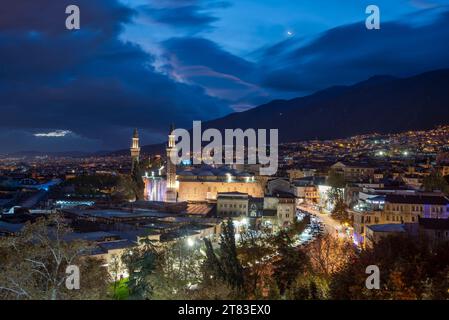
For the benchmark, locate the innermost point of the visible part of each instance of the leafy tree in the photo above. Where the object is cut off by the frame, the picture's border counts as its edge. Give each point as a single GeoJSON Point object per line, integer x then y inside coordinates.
{"type": "Point", "coordinates": [329, 254]}
{"type": "Point", "coordinates": [141, 264]}
{"type": "Point", "coordinates": [288, 263]}
{"type": "Point", "coordinates": [254, 252]}
{"type": "Point", "coordinates": [435, 181]}
{"type": "Point", "coordinates": [138, 184]}
{"type": "Point", "coordinates": [178, 272]}
{"type": "Point", "coordinates": [227, 266]}
{"type": "Point", "coordinates": [125, 189]}
{"type": "Point", "coordinates": [309, 287]}
{"type": "Point", "coordinates": [298, 226]}
{"type": "Point", "coordinates": [115, 268]}
{"type": "Point", "coordinates": [336, 179]}
{"type": "Point", "coordinates": [409, 269]}
{"type": "Point", "coordinates": [33, 264]}
{"type": "Point", "coordinates": [339, 207]}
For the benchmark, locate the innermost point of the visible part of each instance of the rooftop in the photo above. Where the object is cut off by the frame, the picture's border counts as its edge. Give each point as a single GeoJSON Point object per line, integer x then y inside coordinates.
{"type": "Point", "coordinates": [391, 227]}
{"type": "Point", "coordinates": [417, 199]}
{"type": "Point", "coordinates": [434, 224]}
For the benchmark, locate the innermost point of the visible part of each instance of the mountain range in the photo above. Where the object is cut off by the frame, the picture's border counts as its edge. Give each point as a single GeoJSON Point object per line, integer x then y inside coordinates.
{"type": "Point", "coordinates": [381, 104]}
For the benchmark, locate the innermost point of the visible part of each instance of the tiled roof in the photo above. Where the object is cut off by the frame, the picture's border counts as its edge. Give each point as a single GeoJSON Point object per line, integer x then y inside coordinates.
{"type": "Point", "coordinates": [417, 199]}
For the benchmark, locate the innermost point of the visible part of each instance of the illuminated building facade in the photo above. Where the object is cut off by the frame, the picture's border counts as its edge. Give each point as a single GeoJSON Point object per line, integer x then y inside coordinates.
{"type": "Point", "coordinates": [204, 183]}
{"type": "Point", "coordinates": [155, 187]}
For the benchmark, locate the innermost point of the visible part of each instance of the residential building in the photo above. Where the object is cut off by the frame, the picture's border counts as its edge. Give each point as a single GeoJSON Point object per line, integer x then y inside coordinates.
{"type": "Point", "coordinates": [232, 204]}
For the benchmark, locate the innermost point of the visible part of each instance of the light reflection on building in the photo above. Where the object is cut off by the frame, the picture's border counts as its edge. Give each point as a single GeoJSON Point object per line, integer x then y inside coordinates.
{"type": "Point", "coordinates": [155, 188]}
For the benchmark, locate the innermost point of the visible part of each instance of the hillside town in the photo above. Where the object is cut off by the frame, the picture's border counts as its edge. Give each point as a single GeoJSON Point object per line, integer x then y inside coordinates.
{"type": "Point", "coordinates": [358, 190]}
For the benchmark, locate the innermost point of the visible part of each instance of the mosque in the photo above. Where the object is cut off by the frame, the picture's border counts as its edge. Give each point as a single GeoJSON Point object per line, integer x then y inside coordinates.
{"type": "Point", "coordinates": [193, 183]}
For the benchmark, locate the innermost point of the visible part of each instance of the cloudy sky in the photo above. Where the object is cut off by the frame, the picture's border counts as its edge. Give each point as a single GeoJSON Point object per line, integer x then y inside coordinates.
{"type": "Point", "coordinates": [147, 63]}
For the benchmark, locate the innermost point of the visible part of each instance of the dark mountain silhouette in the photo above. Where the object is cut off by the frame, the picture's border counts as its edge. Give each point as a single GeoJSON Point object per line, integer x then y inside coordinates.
{"type": "Point", "coordinates": [381, 104]}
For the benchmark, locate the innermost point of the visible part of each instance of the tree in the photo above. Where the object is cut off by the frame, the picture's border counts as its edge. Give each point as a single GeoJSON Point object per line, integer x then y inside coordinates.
{"type": "Point", "coordinates": [178, 271]}
{"type": "Point", "coordinates": [288, 263]}
{"type": "Point", "coordinates": [339, 207]}
{"type": "Point", "coordinates": [254, 252]}
{"type": "Point", "coordinates": [141, 264]}
{"type": "Point", "coordinates": [125, 189]}
{"type": "Point", "coordinates": [227, 266]}
{"type": "Point", "coordinates": [409, 269]}
{"type": "Point", "coordinates": [328, 255]}
{"type": "Point", "coordinates": [115, 270]}
{"type": "Point", "coordinates": [309, 287]}
{"type": "Point", "coordinates": [33, 264]}
{"type": "Point", "coordinates": [138, 185]}
{"type": "Point", "coordinates": [298, 226]}
{"type": "Point", "coordinates": [435, 181]}
{"type": "Point", "coordinates": [336, 179]}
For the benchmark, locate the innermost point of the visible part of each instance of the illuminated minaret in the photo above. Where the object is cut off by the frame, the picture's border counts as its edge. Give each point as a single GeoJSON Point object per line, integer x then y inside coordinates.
{"type": "Point", "coordinates": [170, 195]}
{"type": "Point", "coordinates": [135, 148]}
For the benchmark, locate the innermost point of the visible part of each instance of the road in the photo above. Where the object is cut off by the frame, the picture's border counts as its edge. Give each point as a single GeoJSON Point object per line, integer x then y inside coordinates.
{"type": "Point", "coordinates": [331, 226]}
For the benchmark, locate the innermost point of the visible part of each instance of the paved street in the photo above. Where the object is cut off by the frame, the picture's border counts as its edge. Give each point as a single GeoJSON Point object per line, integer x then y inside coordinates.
{"type": "Point", "coordinates": [331, 226]}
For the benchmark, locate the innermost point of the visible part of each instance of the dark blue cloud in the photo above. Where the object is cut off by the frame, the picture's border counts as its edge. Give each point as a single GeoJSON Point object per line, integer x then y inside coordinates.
{"type": "Point", "coordinates": [351, 53]}
{"type": "Point", "coordinates": [201, 52]}
{"type": "Point", "coordinates": [87, 81]}
{"type": "Point", "coordinates": [189, 15]}
{"type": "Point", "coordinates": [220, 73]}
{"type": "Point", "coordinates": [99, 86]}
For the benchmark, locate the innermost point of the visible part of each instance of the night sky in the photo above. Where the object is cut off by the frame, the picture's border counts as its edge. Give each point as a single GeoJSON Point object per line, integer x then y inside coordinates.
{"type": "Point", "coordinates": [147, 63]}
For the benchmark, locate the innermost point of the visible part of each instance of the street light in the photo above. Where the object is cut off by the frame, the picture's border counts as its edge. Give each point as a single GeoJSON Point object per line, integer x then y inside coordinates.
{"type": "Point", "coordinates": [190, 242]}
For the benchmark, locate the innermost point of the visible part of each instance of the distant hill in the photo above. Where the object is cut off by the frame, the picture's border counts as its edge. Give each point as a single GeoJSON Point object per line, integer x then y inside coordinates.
{"type": "Point", "coordinates": [73, 154]}
{"type": "Point", "coordinates": [382, 104]}
{"type": "Point", "coordinates": [152, 149]}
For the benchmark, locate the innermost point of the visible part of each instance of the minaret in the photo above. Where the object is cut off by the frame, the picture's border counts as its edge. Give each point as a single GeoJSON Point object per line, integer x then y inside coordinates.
{"type": "Point", "coordinates": [171, 194]}
{"type": "Point", "coordinates": [135, 148]}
